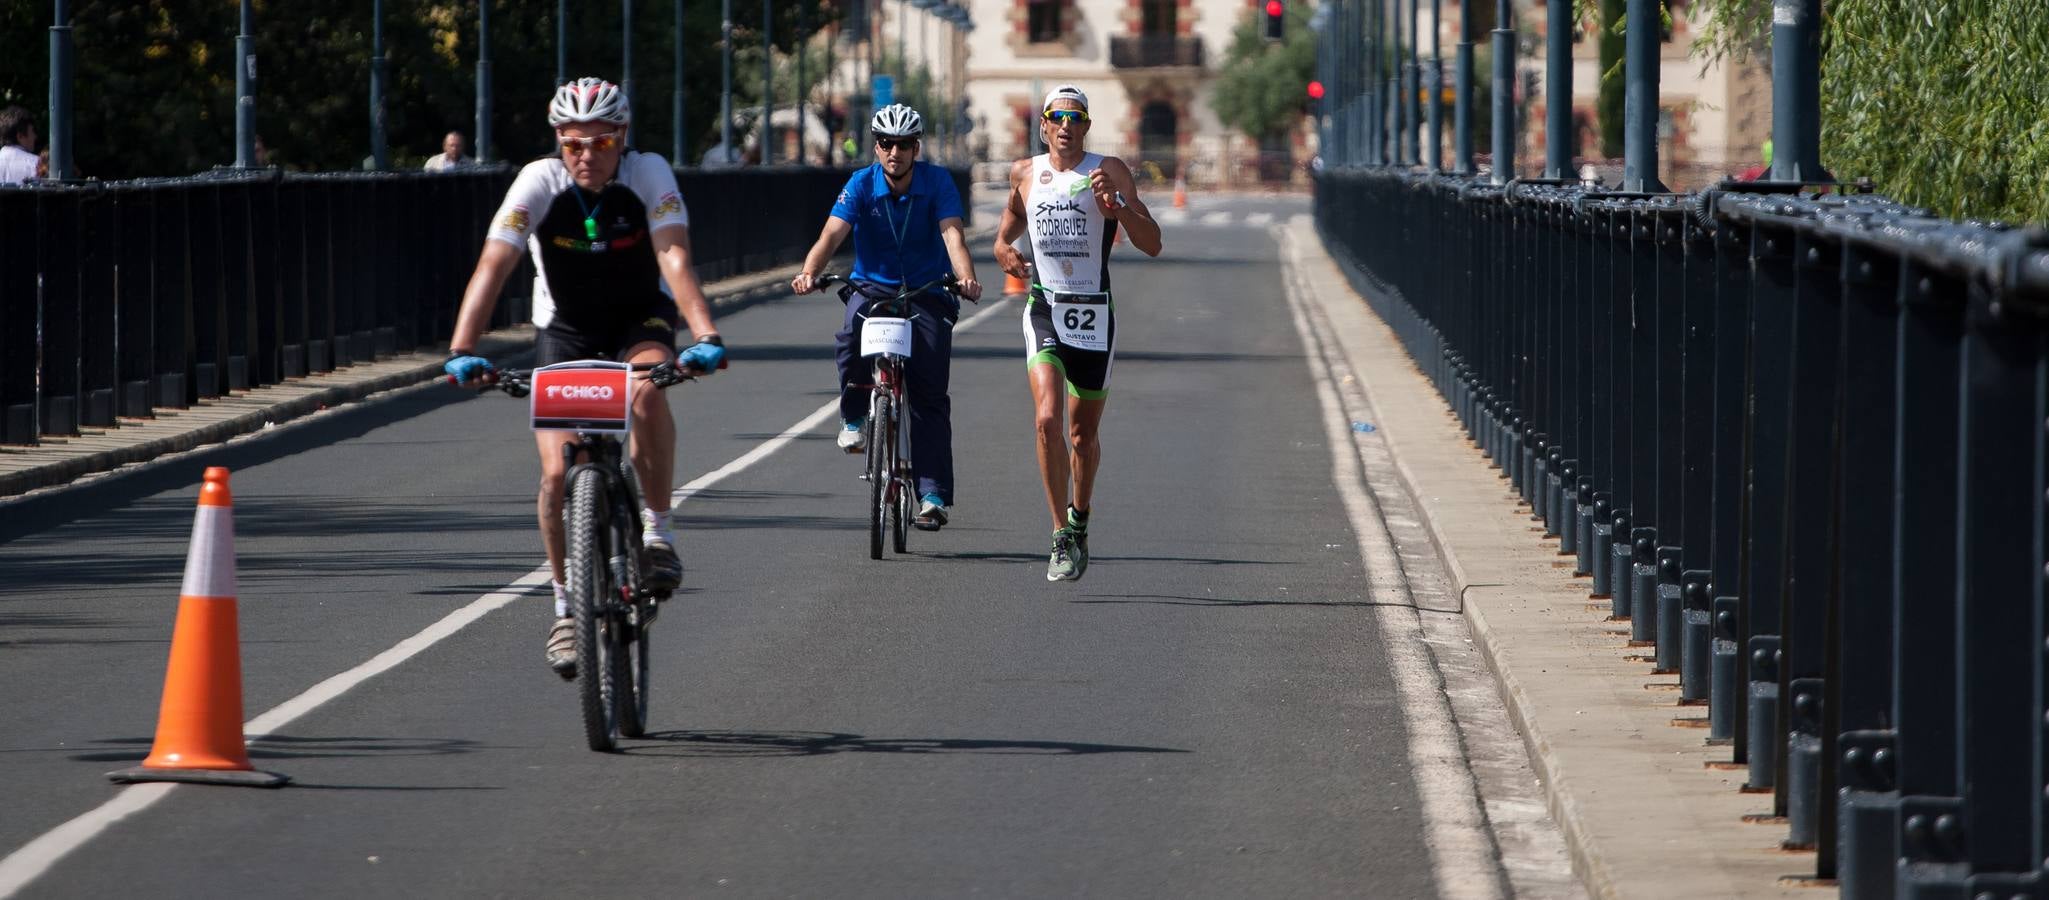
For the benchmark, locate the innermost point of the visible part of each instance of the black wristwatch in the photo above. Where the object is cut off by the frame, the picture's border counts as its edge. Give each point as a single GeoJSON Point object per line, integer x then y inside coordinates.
{"type": "Point", "coordinates": [458, 354]}
{"type": "Point", "coordinates": [711, 339]}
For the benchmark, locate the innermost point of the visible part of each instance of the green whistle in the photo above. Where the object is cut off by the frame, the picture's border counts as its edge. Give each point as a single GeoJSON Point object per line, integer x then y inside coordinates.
{"type": "Point", "coordinates": [590, 228]}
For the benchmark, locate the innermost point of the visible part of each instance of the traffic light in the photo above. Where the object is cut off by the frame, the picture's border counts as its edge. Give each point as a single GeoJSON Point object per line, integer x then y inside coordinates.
{"type": "Point", "coordinates": [1315, 105]}
{"type": "Point", "coordinates": [1275, 16]}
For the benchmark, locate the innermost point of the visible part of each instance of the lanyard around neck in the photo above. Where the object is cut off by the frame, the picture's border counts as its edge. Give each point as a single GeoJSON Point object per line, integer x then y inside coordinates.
{"type": "Point", "coordinates": [590, 213]}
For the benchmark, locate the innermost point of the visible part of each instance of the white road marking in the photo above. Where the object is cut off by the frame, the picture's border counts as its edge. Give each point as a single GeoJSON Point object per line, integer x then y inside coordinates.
{"type": "Point", "coordinates": [1217, 218]}
{"type": "Point", "coordinates": [36, 857]}
{"type": "Point", "coordinates": [1259, 220]}
{"type": "Point", "coordinates": [1462, 852]}
{"type": "Point", "coordinates": [1171, 217]}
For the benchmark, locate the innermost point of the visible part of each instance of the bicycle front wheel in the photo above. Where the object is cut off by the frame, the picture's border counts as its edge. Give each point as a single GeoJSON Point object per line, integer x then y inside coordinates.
{"type": "Point", "coordinates": [590, 588]}
{"type": "Point", "coordinates": [881, 469]}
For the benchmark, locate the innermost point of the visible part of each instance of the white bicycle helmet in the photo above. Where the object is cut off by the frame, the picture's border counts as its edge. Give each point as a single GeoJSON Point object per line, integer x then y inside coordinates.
{"type": "Point", "coordinates": [898, 121]}
{"type": "Point", "coordinates": [588, 100]}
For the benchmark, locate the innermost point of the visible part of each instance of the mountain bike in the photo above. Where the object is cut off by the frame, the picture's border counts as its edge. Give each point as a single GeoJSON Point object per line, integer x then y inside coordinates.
{"type": "Point", "coordinates": [604, 561]}
{"type": "Point", "coordinates": [886, 338]}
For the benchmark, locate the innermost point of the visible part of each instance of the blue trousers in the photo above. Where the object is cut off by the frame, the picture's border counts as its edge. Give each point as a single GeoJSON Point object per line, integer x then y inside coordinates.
{"type": "Point", "coordinates": [925, 379]}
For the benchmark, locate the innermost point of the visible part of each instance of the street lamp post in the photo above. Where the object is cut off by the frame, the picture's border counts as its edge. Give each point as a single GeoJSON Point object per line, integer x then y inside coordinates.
{"type": "Point", "coordinates": [1558, 93]}
{"type": "Point", "coordinates": [245, 91]}
{"type": "Point", "coordinates": [1504, 92]}
{"type": "Point", "coordinates": [483, 81]}
{"type": "Point", "coordinates": [626, 60]}
{"type": "Point", "coordinates": [767, 81]}
{"type": "Point", "coordinates": [60, 93]}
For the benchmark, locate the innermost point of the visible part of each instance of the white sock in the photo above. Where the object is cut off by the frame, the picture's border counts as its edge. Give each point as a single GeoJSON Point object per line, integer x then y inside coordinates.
{"type": "Point", "coordinates": [561, 600]}
{"type": "Point", "coordinates": [654, 527]}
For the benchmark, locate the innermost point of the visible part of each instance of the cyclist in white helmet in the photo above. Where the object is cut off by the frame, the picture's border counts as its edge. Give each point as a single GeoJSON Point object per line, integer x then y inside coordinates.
{"type": "Point", "coordinates": [610, 239]}
{"type": "Point", "coordinates": [905, 216]}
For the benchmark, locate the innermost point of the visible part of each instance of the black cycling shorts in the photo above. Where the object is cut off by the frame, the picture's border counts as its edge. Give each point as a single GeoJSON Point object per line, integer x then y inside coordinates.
{"type": "Point", "coordinates": [561, 342]}
{"type": "Point", "coordinates": [1075, 333]}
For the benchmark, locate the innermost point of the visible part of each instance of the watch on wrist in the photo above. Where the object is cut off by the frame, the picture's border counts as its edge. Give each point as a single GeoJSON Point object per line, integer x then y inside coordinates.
{"type": "Point", "coordinates": [711, 339]}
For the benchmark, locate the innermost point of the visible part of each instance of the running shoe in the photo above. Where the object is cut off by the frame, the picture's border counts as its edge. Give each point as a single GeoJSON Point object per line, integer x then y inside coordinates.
{"type": "Point", "coordinates": [1061, 565]}
{"type": "Point", "coordinates": [852, 439]}
{"type": "Point", "coordinates": [562, 648]}
{"type": "Point", "coordinates": [931, 514]}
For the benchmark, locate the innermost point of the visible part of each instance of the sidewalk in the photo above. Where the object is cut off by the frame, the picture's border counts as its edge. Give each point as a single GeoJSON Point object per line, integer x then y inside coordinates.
{"type": "Point", "coordinates": [61, 460]}
{"type": "Point", "coordinates": [1626, 771]}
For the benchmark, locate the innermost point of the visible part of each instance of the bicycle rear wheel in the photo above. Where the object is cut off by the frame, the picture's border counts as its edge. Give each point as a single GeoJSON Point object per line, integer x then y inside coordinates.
{"type": "Point", "coordinates": [590, 590]}
{"type": "Point", "coordinates": [881, 450]}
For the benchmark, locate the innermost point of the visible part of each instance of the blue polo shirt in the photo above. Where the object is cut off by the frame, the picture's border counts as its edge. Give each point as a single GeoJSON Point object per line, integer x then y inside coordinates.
{"type": "Point", "coordinates": [896, 237]}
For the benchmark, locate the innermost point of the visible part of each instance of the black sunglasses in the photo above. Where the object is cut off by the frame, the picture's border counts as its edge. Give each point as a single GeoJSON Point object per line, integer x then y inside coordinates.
{"type": "Point", "coordinates": [893, 143]}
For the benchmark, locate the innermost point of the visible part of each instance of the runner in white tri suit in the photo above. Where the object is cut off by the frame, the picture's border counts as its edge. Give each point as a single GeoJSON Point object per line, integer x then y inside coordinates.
{"type": "Point", "coordinates": [613, 279]}
{"type": "Point", "coordinates": [1072, 202]}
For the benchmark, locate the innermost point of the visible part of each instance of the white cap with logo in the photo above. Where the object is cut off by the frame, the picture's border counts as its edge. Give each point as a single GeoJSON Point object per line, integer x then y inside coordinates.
{"type": "Point", "coordinates": [1065, 92]}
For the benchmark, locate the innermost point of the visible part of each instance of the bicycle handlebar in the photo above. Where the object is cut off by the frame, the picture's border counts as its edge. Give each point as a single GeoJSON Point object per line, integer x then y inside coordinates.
{"type": "Point", "coordinates": [519, 382]}
{"type": "Point", "coordinates": [948, 281]}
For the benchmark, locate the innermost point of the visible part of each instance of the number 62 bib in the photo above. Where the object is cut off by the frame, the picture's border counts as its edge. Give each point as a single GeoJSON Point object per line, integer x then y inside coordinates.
{"type": "Point", "coordinates": [1082, 321]}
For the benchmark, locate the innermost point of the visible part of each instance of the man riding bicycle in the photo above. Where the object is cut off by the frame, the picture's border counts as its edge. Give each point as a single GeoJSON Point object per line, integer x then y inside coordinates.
{"type": "Point", "coordinates": [610, 239]}
{"type": "Point", "coordinates": [905, 216]}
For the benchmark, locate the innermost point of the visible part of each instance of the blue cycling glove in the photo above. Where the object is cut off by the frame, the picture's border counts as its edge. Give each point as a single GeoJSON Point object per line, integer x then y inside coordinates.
{"type": "Point", "coordinates": [466, 368]}
{"type": "Point", "coordinates": [702, 355]}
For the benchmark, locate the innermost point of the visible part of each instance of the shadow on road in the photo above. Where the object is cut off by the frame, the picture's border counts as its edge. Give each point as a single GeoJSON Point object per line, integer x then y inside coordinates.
{"type": "Point", "coordinates": [276, 746]}
{"type": "Point", "coordinates": [1177, 600]}
{"type": "Point", "coordinates": [748, 744]}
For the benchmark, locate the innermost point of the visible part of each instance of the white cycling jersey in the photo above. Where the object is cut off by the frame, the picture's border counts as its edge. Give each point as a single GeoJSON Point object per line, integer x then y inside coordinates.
{"type": "Point", "coordinates": [592, 253]}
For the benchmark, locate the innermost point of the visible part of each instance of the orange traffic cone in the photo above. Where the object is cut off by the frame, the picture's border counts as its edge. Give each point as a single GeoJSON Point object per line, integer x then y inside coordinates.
{"type": "Point", "coordinates": [1180, 193]}
{"type": "Point", "coordinates": [1013, 285]}
{"type": "Point", "coordinates": [199, 727]}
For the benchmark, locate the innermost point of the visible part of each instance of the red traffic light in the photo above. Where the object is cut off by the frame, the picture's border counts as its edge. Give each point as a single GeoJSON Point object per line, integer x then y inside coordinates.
{"type": "Point", "coordinates": [1316, 90]}
{"type": "Point", "coordinates": [1273, 8]}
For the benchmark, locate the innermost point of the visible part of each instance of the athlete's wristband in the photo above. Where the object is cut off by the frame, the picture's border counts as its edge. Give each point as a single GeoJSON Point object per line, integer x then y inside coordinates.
{"type": "Point", "coordinates": [711, 339]}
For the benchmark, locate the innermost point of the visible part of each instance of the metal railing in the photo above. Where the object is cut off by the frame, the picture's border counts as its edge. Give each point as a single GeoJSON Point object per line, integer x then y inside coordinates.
{"type": "Point", "coordinates": [120, 298]}
{"type": "Point", "coordinates": [1801, 443]}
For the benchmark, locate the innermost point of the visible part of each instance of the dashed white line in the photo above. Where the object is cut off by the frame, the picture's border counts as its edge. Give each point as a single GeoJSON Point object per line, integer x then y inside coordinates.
{"type": "Point", "coordinates": [1217, 218]}
{"type": "Point", "coordinates": [1259, 220]}
{"type": "Point", "coordinates": [39, 855]}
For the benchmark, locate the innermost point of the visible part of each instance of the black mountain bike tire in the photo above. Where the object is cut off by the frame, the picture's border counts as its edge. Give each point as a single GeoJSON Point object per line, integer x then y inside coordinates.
{"type": "Point", "coordinates": [879, 445]}
{"type": "Point", "coordinates": [900, 488]}
{"type": "Point", "coordinates": [589, 583]}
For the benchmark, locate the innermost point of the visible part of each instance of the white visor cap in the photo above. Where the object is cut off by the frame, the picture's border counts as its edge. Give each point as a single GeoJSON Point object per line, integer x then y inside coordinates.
{"type": "Point", "coordinates": [1065, 92]}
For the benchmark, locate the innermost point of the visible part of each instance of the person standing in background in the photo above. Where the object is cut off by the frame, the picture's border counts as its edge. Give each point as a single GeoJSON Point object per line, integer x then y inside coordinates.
{"type": "Point", "coordinates": [451, 157]}
{"type": "Point", "coordinates": [18, 161]}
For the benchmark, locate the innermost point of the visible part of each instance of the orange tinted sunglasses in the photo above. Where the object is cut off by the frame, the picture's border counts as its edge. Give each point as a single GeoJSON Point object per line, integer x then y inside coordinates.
{"type": "Point", "coordinates": [600, 143]}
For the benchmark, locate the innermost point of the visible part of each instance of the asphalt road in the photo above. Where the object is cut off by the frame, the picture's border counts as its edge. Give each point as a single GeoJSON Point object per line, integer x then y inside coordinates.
{"type": "Point", "coordinates": [1208, 713]}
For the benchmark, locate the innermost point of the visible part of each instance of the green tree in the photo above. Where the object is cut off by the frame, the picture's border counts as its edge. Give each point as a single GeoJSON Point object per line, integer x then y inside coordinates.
{"type": "Point", "coordinates": [1261, 87]}
{"type": "Point", "coordinates": [154, 91]}
{"type": "Point", "coordinates": [1941, 107]}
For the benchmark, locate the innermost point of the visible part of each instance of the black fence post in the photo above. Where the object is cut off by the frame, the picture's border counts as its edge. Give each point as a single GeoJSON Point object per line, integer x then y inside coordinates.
{"type": "Point", "coordinates": [58, 320]}
{"type": "Point", "coordinates": [1862, 680]}
{"type": "Point", "coordinates": [1928, 652]}
{"type": "Point", "coordinates": [133, 209]}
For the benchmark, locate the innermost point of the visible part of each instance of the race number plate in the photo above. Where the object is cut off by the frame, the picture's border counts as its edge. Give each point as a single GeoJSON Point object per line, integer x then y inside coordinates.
{"type": "Point", "coordinates": [1083, 321]}
{"type": "Point", "coordinates": [886, 335]}
{"type": "Point", "coordinates": [586, 395]}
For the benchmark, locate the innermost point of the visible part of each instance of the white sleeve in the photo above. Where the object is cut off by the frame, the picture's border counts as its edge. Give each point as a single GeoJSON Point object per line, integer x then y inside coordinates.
{"type": "Point", "coordinates": [526, 203]}
{"type": "Point", "coordinates": [655, 182]}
